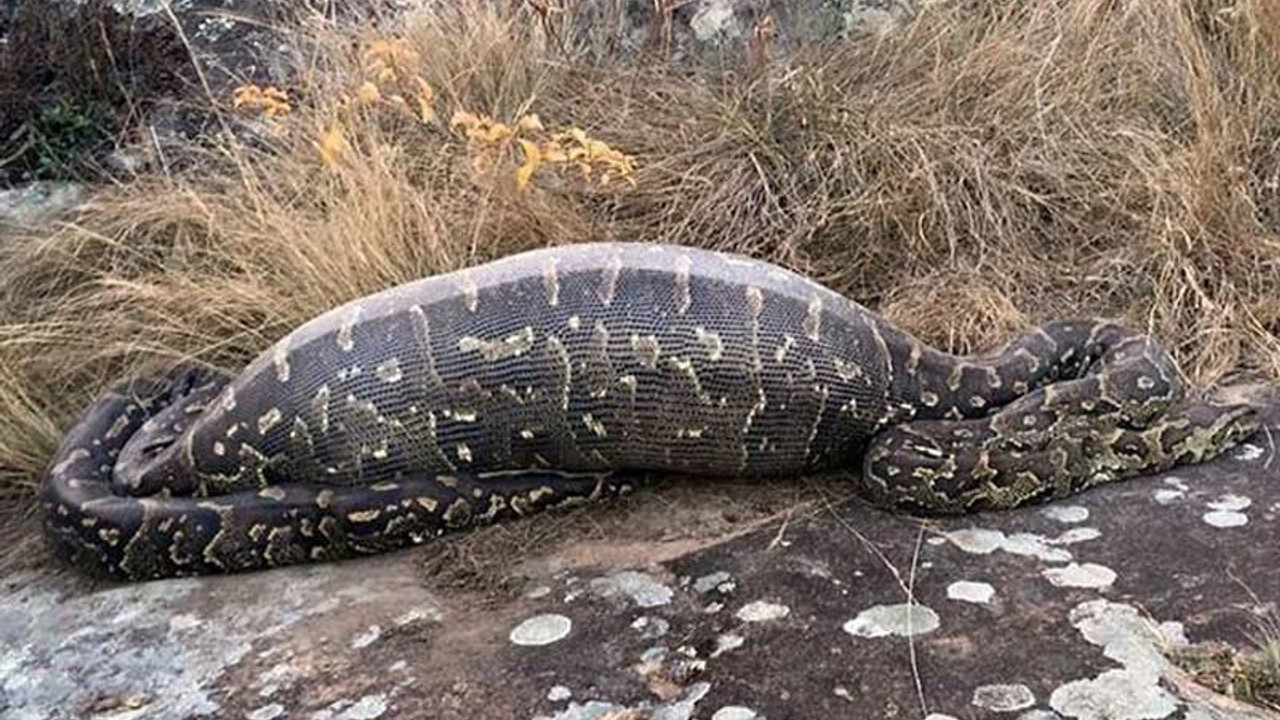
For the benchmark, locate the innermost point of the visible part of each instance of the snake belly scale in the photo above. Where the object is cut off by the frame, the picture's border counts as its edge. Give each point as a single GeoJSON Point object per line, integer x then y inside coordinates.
{"type": "Point", "coordinates": [539, 379]}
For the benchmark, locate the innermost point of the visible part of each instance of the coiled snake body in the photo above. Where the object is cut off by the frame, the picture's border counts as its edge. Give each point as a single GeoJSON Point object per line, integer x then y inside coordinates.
{"type": "Point", "coordinates": [532, 381]}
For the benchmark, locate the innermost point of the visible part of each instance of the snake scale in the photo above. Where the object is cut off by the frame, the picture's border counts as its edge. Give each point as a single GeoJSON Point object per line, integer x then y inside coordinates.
{"type": "Point", "coordinates": [535, 380]}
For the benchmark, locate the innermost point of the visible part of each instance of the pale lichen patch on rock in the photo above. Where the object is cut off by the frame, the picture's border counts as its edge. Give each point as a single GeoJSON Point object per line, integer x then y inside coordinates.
{"type": "Point", "coordinates": [1077, 535]}
{"type": "Point", "coordinates": [971, 592]}
{"type": "Point", "coordinates": [1003, 698]}
{"type": "Point", "coordinates": [1066, 514]}
{"type": "Point", "coordinates": [366, 638]}
{"type": "Point", "coordinates": [903, 620]}
{"type": "Point", "coordinates": [1231, 502]}
{"type": "Point", "coordinates": [679, 709]}
{"type": "Point", "coordinates": [266, 712]}
{"type": "Point", "coordinates": [651, 627]}
{"type": "Point", "coordinates": [1132, 692]}
{"type": "Point", "coordinates": [983, 541]}
{"type": "Point", "coordinates": [1225, 519]}
{"type": "Point", "coordinates": [641, 588]}
{"type": "Point", "coordinates": [1080, 575]}
{"type": "Point", "coordinates": [735, 712]}
{"type": "Point", "coordinates": [1225, 512]}
{"type": "Point", "coordinates": [368, 707]}
{"type": "Point", "coordinates": [712, 581]}
{"type": "Point", "coordinates": [761, 611]}
{"type": "Point", "coordinates": [541, 630]}
{"type": "Point", "coordinates": [727, 642]}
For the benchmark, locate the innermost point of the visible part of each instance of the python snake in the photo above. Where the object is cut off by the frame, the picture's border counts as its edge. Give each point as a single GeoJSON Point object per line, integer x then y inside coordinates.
{"type": "Point", "coordinates": [537, 380]}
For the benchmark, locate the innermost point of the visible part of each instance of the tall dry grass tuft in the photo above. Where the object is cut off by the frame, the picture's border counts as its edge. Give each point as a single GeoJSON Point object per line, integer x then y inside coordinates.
{"type": "Point", "coordinates": [986, 166]}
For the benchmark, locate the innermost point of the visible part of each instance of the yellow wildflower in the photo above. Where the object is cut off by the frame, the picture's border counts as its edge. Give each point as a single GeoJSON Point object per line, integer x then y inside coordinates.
{"type": "Point", "coordinates": [271, 101]}
{"type": "Point", "coordinates": [368, 93]}
{"type": "Point", "coordinates": [530, 122]}
{"type": "Point", "coordinates": [426, 96]}
{"type": "Point", "coordinates": [464, 120]}
{"type": "Point", "coordinates": [532, 160]}
{"type": "Point", "coordinates": [333, 145]}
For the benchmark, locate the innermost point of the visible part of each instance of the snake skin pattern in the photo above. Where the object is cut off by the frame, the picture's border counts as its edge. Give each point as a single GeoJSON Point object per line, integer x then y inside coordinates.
{"type": "Point", "coordinates": [536, 380]}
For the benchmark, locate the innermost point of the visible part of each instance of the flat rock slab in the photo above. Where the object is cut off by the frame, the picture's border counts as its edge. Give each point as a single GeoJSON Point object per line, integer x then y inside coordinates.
{"type": "Point", "coordinates": [826, 610]}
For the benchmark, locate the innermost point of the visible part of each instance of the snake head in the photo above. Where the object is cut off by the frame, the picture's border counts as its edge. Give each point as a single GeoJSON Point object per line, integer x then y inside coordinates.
{"type": "Point", "coordinates": [1236, 424]}
{"type": "Point", "coordinates": [1200, 431]}
{"type": "Point", "coordinates": [905, 463]}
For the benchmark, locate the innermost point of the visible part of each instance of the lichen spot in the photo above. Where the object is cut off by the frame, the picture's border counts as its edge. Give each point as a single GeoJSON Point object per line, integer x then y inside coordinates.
{"type": "Point", "coordinates": [813, 318]}
{"type": "Point", "coordinates": [540, 630]}
{"type": "Point", "coordinates": [346, 331]}
{"type": "Point", "coordinates": [280, 358]}
{"type": "Point", "coordinates": [389, 371]}
{"type": "Point", "coordinates": [268, 420]}
{"type": "Point", "coordinates": [902, 620]}
{"type": "Point", "coordinates": [1003, 698]}
{"type": "Point", "coordinates": [762, 611]}
{"type": "Point", "coordinates": [1080, 575]}
{"type": "Point", "coordinates": [551, 282]}
{"type": "Point", "coordinates": [971, 592]}
{"type": "Point", "coordinates": [711, 341]}
{"type": "Point", "coordinates": [464, 452]}
{"type": "Point", "coordinates": [647, 350]}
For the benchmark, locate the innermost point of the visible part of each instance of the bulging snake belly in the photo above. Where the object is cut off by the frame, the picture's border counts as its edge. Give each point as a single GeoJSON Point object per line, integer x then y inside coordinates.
{"type": "Point", "coordinates": [551, 377]}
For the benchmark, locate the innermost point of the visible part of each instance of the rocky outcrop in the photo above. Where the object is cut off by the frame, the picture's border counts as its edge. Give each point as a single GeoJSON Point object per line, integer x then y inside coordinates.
{"type": "Point", "coordinates": [695, 601]}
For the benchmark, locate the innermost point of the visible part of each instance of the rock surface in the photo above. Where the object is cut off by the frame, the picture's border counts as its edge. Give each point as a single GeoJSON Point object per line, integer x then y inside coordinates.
{"type": "Point", "coordinates": [33, 203]}
{"type": "Point", "coordinates": [818, 611]}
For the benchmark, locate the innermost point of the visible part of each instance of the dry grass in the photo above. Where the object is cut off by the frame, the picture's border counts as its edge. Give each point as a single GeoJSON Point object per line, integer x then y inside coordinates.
{"type": "Point", "coordinates": [1250, 675]}
{"type": "Point", "coordinates": [1008, 161]}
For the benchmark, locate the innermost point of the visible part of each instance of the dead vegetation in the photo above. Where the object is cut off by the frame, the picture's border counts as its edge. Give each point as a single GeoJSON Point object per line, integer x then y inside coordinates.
{"type": "Point", "coordinates": [984, 166]}
{"type": "Point", "coordinates": [1250, 675]}
{"type": "Point", "coordinates": [74, 78]}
